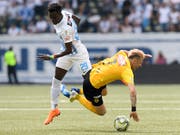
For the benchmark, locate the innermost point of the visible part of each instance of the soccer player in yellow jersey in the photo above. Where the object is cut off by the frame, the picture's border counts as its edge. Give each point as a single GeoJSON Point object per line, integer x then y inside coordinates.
{"type": "Point", "coordinates": [118, 67]}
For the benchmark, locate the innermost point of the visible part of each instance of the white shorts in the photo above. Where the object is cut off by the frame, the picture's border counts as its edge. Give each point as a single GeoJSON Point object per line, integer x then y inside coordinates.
{"type": "Point", "coordinates": [81, 59]}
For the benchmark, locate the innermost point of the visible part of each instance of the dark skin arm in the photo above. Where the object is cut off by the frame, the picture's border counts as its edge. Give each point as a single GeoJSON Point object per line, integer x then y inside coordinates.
{"type": "Point", "coordinates": [65, 52]}
{"type": "Point", "coordinates": [76, 19]}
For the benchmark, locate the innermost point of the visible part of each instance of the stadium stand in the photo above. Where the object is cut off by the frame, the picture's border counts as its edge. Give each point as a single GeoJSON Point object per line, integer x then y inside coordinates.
{"type": "Point", "coordinates": [126, 16]}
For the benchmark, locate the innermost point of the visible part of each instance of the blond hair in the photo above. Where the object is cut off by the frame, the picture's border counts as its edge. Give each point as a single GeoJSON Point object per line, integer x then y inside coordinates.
{"type": "Point", "coordinates": [138, 52]}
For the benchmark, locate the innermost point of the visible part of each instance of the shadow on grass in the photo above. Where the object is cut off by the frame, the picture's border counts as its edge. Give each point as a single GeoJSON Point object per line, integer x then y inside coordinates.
{"type": "Point", "coordinates": [153, 132]}
{"type": "Point", "coordinates": [109, 132]}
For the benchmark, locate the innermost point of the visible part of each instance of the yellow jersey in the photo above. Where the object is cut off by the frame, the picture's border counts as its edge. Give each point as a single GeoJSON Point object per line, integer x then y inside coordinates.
{"type": "Point", "coordinates": [10, 58]}
{"type": "Point", "coordinates": [111, 69]}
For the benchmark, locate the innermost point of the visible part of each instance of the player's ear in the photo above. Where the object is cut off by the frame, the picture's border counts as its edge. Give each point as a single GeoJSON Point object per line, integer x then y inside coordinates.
{"type": "Point", "coordinates": [148, 56]}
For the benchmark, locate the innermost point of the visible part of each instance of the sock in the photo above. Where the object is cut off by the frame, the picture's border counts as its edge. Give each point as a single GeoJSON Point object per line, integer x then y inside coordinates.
{"type": "Point", "coordinates": [64, 91]}
{"type": "Point", "coordinates": [55, 91]}
{"type": "Point", "coordinates": [86, 103]}
{"type": "Point", "coordinates": [81, 91]}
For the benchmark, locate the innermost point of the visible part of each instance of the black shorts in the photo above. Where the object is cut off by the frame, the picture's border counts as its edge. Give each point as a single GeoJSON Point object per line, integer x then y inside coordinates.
{"type": "Point", "coordinates": [92, 94]}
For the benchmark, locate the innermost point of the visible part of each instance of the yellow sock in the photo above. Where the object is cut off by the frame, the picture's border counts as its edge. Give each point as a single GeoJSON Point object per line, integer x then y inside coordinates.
{"type": "Point", "coordinates": [81, 91]}
{"type": "Point", "coordinates": [86, 103]}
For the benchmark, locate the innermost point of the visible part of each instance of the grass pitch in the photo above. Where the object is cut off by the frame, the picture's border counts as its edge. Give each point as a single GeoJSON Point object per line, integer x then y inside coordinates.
{"type": "Point", "coordinates": [23, 109]}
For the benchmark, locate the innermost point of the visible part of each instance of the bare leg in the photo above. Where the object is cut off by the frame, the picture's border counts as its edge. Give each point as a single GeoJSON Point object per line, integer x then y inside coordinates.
{"type": "Point", "coordinates": [100, 110]}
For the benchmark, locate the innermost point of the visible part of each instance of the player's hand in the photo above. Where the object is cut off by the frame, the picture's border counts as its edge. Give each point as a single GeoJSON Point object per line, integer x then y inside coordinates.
{"type": "Point", "coordinates": [134, 115]}
{"type": "Point", "coordinates": [45, 57]}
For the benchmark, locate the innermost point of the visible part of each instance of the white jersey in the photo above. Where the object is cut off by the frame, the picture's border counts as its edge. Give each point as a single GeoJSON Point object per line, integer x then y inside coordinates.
{"type": "Point", "coordinates": [67, 30]}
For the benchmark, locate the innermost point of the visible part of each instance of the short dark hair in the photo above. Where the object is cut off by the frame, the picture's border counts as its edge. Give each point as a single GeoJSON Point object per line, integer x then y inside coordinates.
{"type": "Point", "coordinates": [10, 48]}
{"type": "Point", "coordinates": [54, 7]}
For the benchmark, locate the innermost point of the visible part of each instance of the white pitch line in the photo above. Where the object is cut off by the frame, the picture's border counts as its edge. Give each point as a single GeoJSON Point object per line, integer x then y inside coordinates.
{"type": "Point", "coordinates": [109, 101]}
{"type": "Point", "coordinates": [37, 109]}
{"type": "Point", "coordinates": [80, 109]}
{"type": "Point", "coordinates": [150, 109]}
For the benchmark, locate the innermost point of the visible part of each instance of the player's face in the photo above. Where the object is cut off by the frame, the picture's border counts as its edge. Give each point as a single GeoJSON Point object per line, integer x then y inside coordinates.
{"type": "Point", "coordinates": [137, 63]}
{"type": "Point", "coordinates": [55, 17]}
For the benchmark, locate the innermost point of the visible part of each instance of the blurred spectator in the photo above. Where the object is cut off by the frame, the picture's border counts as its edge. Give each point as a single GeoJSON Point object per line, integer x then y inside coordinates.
{"type": "Point", "coordinates": [67, 7]}
{"type": "Point", "coordinates": [147, 14]}
{"type": "Point", "coordinates": [143, 15]}
{"type": "Point", "coordinates": [75, 4]}
{"type": "Point", "coordinates": [12, 12]}
{"type": "Point", "coordinates": [3, 26]}
{"type": "Point", "coordinates": [107, 6]}
{"type": "Point", "coordinates": [3, 16]}
{"type": "Point", "coordinates": [126, 27]}
{"type": "Point", "coordinates": [135, 20]}
{"type": "Point", "coordinates": [13, 30]}
{"type": "Point", "coordinates": [31, 28]}
{"type": "Point", "coordinates": [119, 4]}
{"type": "Point", "coordinates": [160, 60]}
{"type": "Point", "coordinates": [39, 8]}
{"type": "Point", "coordinates": [175, 62]}
{"type": "Point", "coordinates": [126, 7]}
{"type": "Point", "coordinates": [25, 14]}
{"type": "Point", "coordinates": [164, 15]}
{"type": "Point", "coordinates": [155, 26]}
{"type": "Point", "coordinates": [23, 30]}
{"type": "Point", "coordinates": [3, 8]}
{"type": "Point", "coordinates": [114, 24]}
{"type": "Point", "coordinates": [82, 14]}
{"type": "Point", "coordinates": [135, 16]}
{"type": "Point", "coordinates": [174, 19]}
{"type": "Point", "coordinates": [41, 25]}
{"type": "Point", "coordinates": [92, 22]}
{"type": "Point", "coordinates": [136, 27]}
{"type": "Point", "coordinates": [104, 24]}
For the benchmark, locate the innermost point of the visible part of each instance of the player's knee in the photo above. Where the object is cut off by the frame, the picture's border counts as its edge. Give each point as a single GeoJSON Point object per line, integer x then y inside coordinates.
{"type": "Point", "coordinates": [104, 92]}
{"type": "Point", "coordinates": [102, 112]}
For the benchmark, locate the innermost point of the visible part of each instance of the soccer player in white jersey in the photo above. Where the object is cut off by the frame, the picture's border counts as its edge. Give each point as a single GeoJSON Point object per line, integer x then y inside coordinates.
{"type": "Point", "coordinates": [74, 51]}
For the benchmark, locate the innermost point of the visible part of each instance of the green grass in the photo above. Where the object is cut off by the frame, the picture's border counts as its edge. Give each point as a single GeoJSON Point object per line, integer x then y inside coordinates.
{"type": "Point", "coordinates": [23, 109]}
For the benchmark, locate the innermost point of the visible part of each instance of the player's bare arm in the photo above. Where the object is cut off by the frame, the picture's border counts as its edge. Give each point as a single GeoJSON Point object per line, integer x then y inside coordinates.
{"type": "Point", "coordinates": [132, 95]}
{"type": "Point", "coordinates": [67, 51]}
{"type": "Point", "coordinates": [76, 19]}
{"type": "Point", "coordinates": [133, 98]}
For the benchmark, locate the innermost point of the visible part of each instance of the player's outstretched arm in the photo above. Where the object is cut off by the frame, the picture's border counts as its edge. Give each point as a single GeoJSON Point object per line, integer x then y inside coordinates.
{"type": "Point", "coordinates": [45, 57]}
{"type": "Point", "coordinates": [67, 51]}
{"type": "Point", "coordinates": [133, 113]}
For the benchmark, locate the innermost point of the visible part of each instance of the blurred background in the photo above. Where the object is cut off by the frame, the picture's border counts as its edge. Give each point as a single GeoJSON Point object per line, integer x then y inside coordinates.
{"type": "Point", "coordinates": [106, 27]}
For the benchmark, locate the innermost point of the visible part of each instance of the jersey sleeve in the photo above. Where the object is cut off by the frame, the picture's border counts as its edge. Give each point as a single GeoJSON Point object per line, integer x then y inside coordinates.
{"type": "Point", "coordinates": [127, 77]}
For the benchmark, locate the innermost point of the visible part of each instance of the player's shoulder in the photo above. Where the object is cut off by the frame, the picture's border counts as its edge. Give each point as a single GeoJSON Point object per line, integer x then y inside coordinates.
{"type": "Point", "coordinates": [122, 58]}
{"type": "Point", "coordinates": [66, 13]}
{"type": "Point", "coordinates": [123, 52]}
{"type": "Point", "coordinates": [63, 12]}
